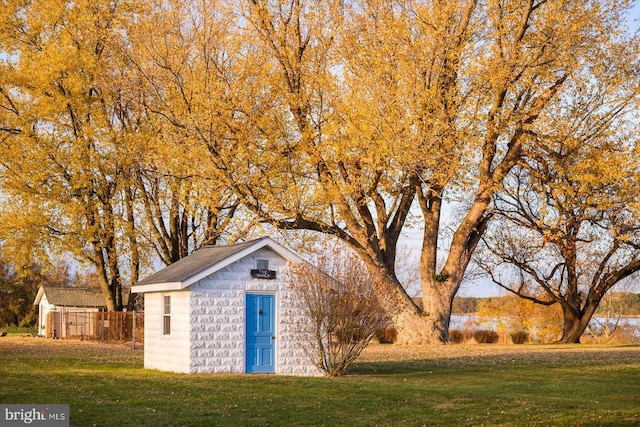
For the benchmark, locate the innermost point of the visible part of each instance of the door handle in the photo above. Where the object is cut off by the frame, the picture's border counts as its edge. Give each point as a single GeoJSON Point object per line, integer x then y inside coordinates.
{"type": "Point", "coordinates": [273, 337]}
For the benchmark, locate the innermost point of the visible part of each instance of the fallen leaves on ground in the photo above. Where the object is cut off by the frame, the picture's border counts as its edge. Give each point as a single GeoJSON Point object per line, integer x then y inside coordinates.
{"type": "Point", "coordinates": [46, 348]}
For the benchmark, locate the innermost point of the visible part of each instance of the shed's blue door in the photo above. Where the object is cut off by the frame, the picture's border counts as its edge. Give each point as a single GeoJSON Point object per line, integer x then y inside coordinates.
{"type": "Point", "coordinates": [261, 335]}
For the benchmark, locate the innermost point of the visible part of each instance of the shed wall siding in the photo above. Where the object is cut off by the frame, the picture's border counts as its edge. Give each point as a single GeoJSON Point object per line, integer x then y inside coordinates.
{"type": "Point", "coordinates": [167, 353]}
{"type": "Point", "coordinates": [44, 309]}
{"type": "Point", "coordinates": [292, 358]}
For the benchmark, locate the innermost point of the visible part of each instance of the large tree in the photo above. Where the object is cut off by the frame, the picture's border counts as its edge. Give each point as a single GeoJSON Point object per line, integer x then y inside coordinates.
{"type": "Point", "coordinates": [335, 116]}
{"type": "Point", "coordinates": [434, 96]}
{"type": "Point", "coordinates": [67, 129]}
{"type": "Point", "coordinates": [325, 116]}
{"type": "Point", "coordinates": [491, 77]}
{"type": "Point", "coordinates": [567, 227]}
{"type": "Point", "coordinates": [84, 166]}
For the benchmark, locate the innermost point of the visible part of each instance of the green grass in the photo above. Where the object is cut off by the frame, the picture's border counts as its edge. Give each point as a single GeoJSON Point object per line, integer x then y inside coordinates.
{"type": "Point", "coordinates": [409, 386]}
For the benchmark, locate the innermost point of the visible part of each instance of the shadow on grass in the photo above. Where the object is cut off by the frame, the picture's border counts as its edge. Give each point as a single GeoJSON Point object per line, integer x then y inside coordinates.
{"type": "Point", "coordinates": [520, 357]}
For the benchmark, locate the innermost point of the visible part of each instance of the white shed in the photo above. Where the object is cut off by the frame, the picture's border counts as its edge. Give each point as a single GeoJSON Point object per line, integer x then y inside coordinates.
{"type": "Point", "coordinates": [62, 311]}
{"type": "Point", "coordinates": [224, 309]}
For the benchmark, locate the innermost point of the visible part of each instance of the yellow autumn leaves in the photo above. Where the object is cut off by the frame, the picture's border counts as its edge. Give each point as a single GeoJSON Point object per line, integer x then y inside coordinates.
{"type": "Point", "coordinates": [142, 129]}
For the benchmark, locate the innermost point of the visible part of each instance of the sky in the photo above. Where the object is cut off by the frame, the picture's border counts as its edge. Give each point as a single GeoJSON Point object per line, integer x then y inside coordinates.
{"type": "Point", "coordinates": [634, 17]}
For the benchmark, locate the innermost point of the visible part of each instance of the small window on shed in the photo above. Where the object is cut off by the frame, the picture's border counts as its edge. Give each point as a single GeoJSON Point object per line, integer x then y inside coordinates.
{"type": "Point", "coordinates": [166, 317]}
{"type": "Point", "coordinates": [262, 264]}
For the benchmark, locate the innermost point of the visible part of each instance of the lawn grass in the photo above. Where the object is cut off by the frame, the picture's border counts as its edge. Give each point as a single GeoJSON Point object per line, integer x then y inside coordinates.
{"type": "Point", "coordinates": [106, 385]}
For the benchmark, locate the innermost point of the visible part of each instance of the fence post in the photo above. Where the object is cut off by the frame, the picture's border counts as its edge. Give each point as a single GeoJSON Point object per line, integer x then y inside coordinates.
{"type": "Point", "coordinates": [133, 331]}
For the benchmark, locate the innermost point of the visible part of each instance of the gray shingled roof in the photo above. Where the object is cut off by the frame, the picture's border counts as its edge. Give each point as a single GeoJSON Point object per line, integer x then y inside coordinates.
{"type": "Point", "coordinates": [196, 262]}
{"type": "Point", "coordinates": [75, 297]}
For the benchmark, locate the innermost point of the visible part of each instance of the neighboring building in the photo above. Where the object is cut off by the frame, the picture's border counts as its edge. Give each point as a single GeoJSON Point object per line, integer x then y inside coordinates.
{"type": "Point", "coordinates": [61, 310]}
{"type": "Point", "coordinates": [225, 309]}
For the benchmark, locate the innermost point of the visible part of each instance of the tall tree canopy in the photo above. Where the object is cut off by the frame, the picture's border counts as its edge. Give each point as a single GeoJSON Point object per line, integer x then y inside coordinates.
{"type": "Point", "coordinates": [67, 132]}
{"type": "Point", "coordinates": [84, 167]}
{"type": "Point", "coordinates": [340, 114]}
{"type": "Point", "coordinates": [505, 69]}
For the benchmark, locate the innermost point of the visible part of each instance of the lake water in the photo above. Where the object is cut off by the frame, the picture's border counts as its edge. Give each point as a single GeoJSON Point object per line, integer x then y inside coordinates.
{"type": "Point", "coordinates": [473, 321]}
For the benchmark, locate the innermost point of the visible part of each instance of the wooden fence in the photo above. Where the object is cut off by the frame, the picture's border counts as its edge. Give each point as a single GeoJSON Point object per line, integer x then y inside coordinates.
{"type": "Point", "coordinates": [101, 326]}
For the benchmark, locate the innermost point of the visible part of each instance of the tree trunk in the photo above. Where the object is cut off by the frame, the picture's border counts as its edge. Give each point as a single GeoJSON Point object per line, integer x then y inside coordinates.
{"type": "Point", "coordinates": [109, 283]}
{"type": "Point", "coordinates": [439, 289]}
{"type": "Point", "coordinates": [103, 279]}
{"type": "Point", "coordinates": [438, 300]}
{"type": "Point", "coordinates": [413, 328]}
{"type": "Point", "coordinates": [573, 327]}
{"type": "Point", "coordinates": [575, 320]}
{"type": "Point", "coordinates": [130, 223]}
